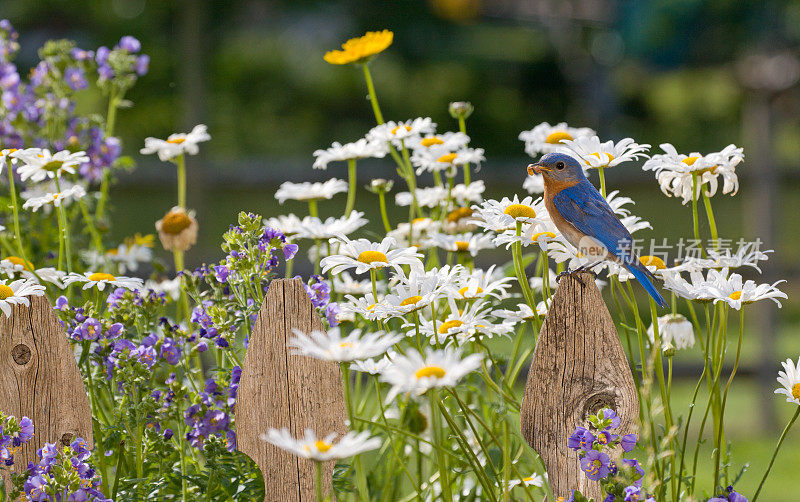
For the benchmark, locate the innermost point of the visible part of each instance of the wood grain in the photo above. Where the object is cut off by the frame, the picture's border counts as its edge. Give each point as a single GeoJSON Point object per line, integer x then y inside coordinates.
{"type": "Point", "coordinates": [278, 389]}
{"type": "Point", "coordinates": [578, 368]}
{"type": "Point", "coordinates": [40, 379]}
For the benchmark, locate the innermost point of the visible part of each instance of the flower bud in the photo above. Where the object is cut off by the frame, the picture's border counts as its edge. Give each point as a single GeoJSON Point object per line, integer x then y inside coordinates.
{"type": "Point", "coordinates": [380, 185]}
{"type": "Point", "coordinates": [461, 109]}
{"type": "Point", "coordinates": [668, 349]}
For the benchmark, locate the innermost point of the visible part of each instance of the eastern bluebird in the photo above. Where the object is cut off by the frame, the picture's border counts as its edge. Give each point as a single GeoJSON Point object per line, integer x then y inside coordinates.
{"type": "Point", "coordinates": [586, 220]}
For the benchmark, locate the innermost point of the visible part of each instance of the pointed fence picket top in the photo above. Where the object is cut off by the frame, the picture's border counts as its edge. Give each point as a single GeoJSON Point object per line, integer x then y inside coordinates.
{"type": "Point", "coordinates": [578, 368]}
{"type": "Point", "coordinates": [40, 379]}
{"type": "Point", "coordinates": [278, 389]}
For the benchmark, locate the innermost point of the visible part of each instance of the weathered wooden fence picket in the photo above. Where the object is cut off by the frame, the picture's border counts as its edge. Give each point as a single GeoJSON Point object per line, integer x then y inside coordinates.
{"type": "Point", "coordinates": [578, 367]}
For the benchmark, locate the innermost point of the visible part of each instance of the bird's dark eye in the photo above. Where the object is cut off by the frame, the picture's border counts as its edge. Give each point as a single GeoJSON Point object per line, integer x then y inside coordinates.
{"type": "Point", "coordinates": [559, 165]}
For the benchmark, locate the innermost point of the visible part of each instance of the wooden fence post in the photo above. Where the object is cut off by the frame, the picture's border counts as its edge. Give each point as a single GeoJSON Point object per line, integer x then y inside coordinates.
{"type": "Point", "coordinates": [578, 368]}
{"type": "Point", "coordinates": [40, 379]}
{"type": "Point", "coordinates": [278, 389]}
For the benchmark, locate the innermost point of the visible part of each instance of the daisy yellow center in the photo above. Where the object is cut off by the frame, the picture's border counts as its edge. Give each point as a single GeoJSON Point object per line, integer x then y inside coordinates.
{"type": "Point", "coordinates": [417, 221]}
{"type": "Point", "coordinates": [360, 48]}
{"type": "Point", "coordinates": [372, 306]}
{"type": "Point", "coordinates": [407, 128]}
{"type": "Point", "coordinates": [449, 324]}
{"type": "Point", "coordinates": [597, 154]}
{"type": "Point", "coordinates": [176, 141]}
{"type": "Point", "coordinates": [549, 235]}
{"type": "Point", "coordinates": [430, 371]}
{"type": "Point", "coordinates": [16, 260]}
{"type": "Point", "coordinates": [369, 257]}
{"type": "Point", "coordinates": [447, 159]}
{"type": "Point", "coordinates": [322, 446]}
{"type": "Point", "coordinates": [345, 345]}
{"type": "Point", "coordinates": [796, 391]}
{"type": "Point", "coordinates": [520, 211]}
{"type": "Point", "coordinates": [459, 213]}
{"type": "Point", "coordinates": [653, 261]}
{"type": "Point", "coordinates": [735, 295]}
{"type": "Point", "coordinates": [431, 141]}
{"type": "Point", "coordinates": [557, 137]}
{"type": "Point", "coordinates": [462, 245]}
{"type": "Point", "coordinates": [528, 479]}
{"type": "Point", "coordinates": [53, 165]}
{"type": "Point", "coordinates": [411, 300]}
{"type": "Point", "coordinates": [5, 292]}
{"type": "Point", "coordinates": [463, 291]}
{"type": "Point", "coordinates": [175, 222]}
{"type": "Point", "coordinates": [689, 161]}
{"type": "Point", "coordinates": [101, 276]}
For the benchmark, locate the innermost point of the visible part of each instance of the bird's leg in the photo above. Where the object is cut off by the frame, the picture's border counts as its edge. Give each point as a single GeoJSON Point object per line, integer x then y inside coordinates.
{"type": "Point", "coordinates": [562, 274]}
{"type": "Point", "coordinates": [588, 268]}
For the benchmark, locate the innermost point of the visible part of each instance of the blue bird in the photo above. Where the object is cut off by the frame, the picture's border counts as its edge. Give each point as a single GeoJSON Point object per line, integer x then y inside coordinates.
{"type": "Point", "coordinates": [586, 220]}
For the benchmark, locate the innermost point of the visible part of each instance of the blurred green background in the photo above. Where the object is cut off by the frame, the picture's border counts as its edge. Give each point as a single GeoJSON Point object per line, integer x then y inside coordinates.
{"type": "Point", "coordinates": [698, 74]}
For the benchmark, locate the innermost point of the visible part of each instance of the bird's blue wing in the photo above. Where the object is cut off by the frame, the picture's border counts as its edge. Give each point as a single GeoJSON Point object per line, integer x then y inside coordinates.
{"type": "Point", "coordinates": [584, 207]}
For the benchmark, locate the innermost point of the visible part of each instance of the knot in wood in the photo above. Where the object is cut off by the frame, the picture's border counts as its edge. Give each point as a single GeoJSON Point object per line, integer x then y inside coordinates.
{"type": "Point", "coordinates": [66, 438]}
{"type": "Point", "coordinates": [21, 354]}
{"type": "Point", "coordinates": [597, 401]}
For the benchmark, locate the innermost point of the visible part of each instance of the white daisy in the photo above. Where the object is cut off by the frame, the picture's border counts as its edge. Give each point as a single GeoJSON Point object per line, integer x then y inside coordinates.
{"type": "Point", "coordinates": [170, 287]}
{"type": "Point", "coordinates": [130, 254]}
{"type": "Point", "coordinates": [437, 160]}
{"type": "Point", "coordinates": [400, 132]}
{"type": "Point", "coordinates": [789, 378]}
{"type": "Point", "coordinates": [539, 234]}
{"type": "Point", "coordinates": [16, 293]}
{"type": "Point", "coordinates": [314, 228]}
{"type": "Point", "coordinates": [416, 373]}
{"type": "Point", "coordinates": [463, 194]}
{"type": "Point", "coordinates": [545, 138]}
{"type": "Point", "coordinates": [363, 255]}
{"type": "Point", "coordinates": [412, 293]}
{"type": "Point", "coordinates": [56, 199]}
{"type": "Point", "coordinates": [426, 197]}
{"type": "Point", "coordinates": [372, 366]}
{"type": "Point", "coordinates": [332, 346]}
{"type": "Point", "coordinates": [417, 231]}
{"type": "Point", "coordinates": [47, 274]}
{"type": "Point", "coordinates": [310, 191]}
{"type": "Point", "coordinates": [675, 171]}
{"type": "Point", "coordinates": [697, 288]}
{"type": "Point", "coordinates": [13, 265]}
{"type": "Point", "coordinates": [479, 283]}
{"type": "Point", "coordinates": [674, 330]}
{"type": "Point", "coordinates": [735, 292]}
{"type": "Point", "coordinates": [346, 285]}
{"type": "Point", "coordinates": [38, 165]}
{"type": "Point", "coordinates": [366, 306]}
{"type": "Point", "coordinates": [176, 144]}
{"type": "Point", "coordinates": [521, 314]}
{"type": "Point", "coordinates": [463, 325]}
{"type": "Point", "coordinates": [101, 279]}
{"type": "Point", "coordinates": [321, 450]}
{"type": "Point", "coordinates": [504, 215]}
{"type": "Point", "coordinates": [595, 153]}
{"type": "Point", "coordinates": [289, 224]}
{"type": "Point", "coordinates": [532, 480]}
{"type": "Point", "coordinates": [360, 149]}
{"type": "Point", "coordinates": [463, 243]}
{"type": "Point", "coordinates": [448, 141]}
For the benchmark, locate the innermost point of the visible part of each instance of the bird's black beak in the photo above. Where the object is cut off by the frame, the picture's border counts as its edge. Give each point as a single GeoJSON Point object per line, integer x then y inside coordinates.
{"type": "Point", "coordinates": [536, 168]}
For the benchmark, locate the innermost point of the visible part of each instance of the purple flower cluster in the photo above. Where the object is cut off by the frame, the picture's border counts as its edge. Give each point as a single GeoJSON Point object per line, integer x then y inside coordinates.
{"type": "Point", "coordinates": [13, 434]}
{"type": "Point", "coordinates": [213, 412]}
{"type": "Point", "coordinates": [82, 327]}
{"type": "Point", "coordinates": [128, 45]}
{"type": "Point", "coordinates": [63, 475]}
{"type": "Point", "coordinates": [729, 495]}
{"type": "Point", "coordinates": [319, 290]}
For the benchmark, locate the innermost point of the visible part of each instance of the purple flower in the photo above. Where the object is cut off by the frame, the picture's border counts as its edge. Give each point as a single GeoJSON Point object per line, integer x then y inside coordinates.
{"type": "Point", "coordinates": [605, 437]}
{"type": "Point", "coordinates": [596, 465]}
{"type": "Point", "coordinates": [101, 56]}
{"type": "Point", "coordinates": [202, 346]}
{"type": "Point", "coordinates": [80, 54]}
{"type": "Point", "coordinates": [609, 414]}
{"type": "Point", "coordinates": [75, 78]}
{"type": "Point", "coordinates": [214, 421]}
{"type": "Point", "coordinates": [34, 488]}
{"type": "Point", "coordinates": [331, 313]}
{"type": "Point", "coordinates": [628, 442]}
{"type": "Point", "coordinates": [168, 434]}
{"type": "Point", "coordinates": [170, 351]}
{"type": "Point", "coordinates": [26, 429]}
{"type": "Point", "coordinates": [130, 44]}
{"type": "Point", "coordinates": [142, 65]}
{"type": "Point", "coordinates": [89, 330]}
{"type": "Point", "coordinates": [633, 494]}
{"type": "Point", "coordinates": [581, 439]}
{"type": "Point", "coordinates": [221, 272]}
{"type": "Point", "coordinates": [289, 250]}
{"type": "Point", "coordinates": [634, 464]}
{"type": "Point", "coordinates": [80, 448]}
{"type": "Point", "coordinates": [62, 303]}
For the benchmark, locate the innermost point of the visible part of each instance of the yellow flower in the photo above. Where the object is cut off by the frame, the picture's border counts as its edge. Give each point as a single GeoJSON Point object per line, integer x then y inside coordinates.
{"type": "Point", "coordinates": [359, 50]}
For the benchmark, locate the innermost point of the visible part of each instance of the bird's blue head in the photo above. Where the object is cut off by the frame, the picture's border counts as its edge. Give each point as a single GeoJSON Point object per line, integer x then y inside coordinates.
{"type": "Point", "coordinates": [558, 167]}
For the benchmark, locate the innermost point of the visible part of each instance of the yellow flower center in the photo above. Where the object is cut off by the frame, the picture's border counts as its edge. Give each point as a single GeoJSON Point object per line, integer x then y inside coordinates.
{"type": "Point", "coordinates": [431, 142]}
{"type": "Point", "coordinates": [796, 391]}
{"type": "Point", "coordinates": [447, 159]}
{"type": "Point", "coordinates": [16, 260]}
{"type": "Point", "coordinates": [528, 479]}
{"type": "Point", "coordinates": [53, 165]}
{"type": "Point", "coordinates": [370, 257]}
{"type": "Point", "coordinates": [556, 137]}
{"type": "Point", "coordinates": [449, 324]}
{"type": "Point", "coordinates": [322, 446]}
{"type": "Point", "coordinates": [689, 161]}
{"type": "Point", "coordinates": [430, 371]}
{"type": "Point", "coordinates": [101, 276]}
{"type": "Point", "coordinates": [359, 49]}
{"type": "Point", "coordinates": [463, 291]}
{"type": "Point", "coordinates": [175, 222]}
{"type": "Point", "coordinates": [458, 213]}
{"type": "Point", "coordinates": [372, 306]}
{"type": "Point", "coordinates": [520, 211]}
{"type": "Point", "coordinates": [735, 295]}
{"type": "Point", "coordinates": [345, 345]}
{"type": "Point", "coordinates": [411, 300]}
{"type": "Point", "coordinates": [176, 141]}
{"type": "Point", "coordinates": [408, 128]}
{"type": "Point", "coordinates": [5, 292]}
{"type": "Point", "coordinates": [654, 261]}
{"type": "Point", "coordinates": [462, 245]}
{"type": "Point", "coordinates": [597, 154]}
{"type": "Point", "coordinates": [549, 235]}
{"type": "Point", "coordinates": [417, 221]}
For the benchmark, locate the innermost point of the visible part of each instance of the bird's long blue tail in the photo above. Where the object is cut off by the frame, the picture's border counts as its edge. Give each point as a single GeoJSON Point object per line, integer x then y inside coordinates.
{"type": "Point", "coordinates": [642, 276]}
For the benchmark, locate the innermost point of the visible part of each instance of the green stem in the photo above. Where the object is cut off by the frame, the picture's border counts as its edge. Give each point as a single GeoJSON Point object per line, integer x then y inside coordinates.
{"type": "Point", "coordinates": [712, 223]}
{"type": "Point", "coordinates": [351, 190]}
{"type": "Point", "coordinates": [384, 216]}
{"type": "Point", "coordinates": [15, 208]}
{"type": "Point", "coordinates": [373, 99]}
{"type": "Point", "coordinates": [180, 162]}
{"type": "Point", "coordinates": [695, 219]}
{"type": "Point", "coordinates": [725, 394]}
{"type": "Point", "coordinates": [775, 454]}
{"type": "Point", "coordinates": [602, 174]}
{"type": "Point", "coordinates": [318, 482]}
{"type": "Point", "coordinates": [441, 460]}
{"type": "Point", "coordinates": [361, 478]}
{"type": "Point", "coordinates": [63, 230]}
{"type": "Point", "coordinates": [312, 207]}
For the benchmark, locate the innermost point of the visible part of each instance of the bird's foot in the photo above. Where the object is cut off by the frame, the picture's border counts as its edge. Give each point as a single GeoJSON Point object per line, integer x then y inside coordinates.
{"type": "Point", "coordinates": [562, 274]}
